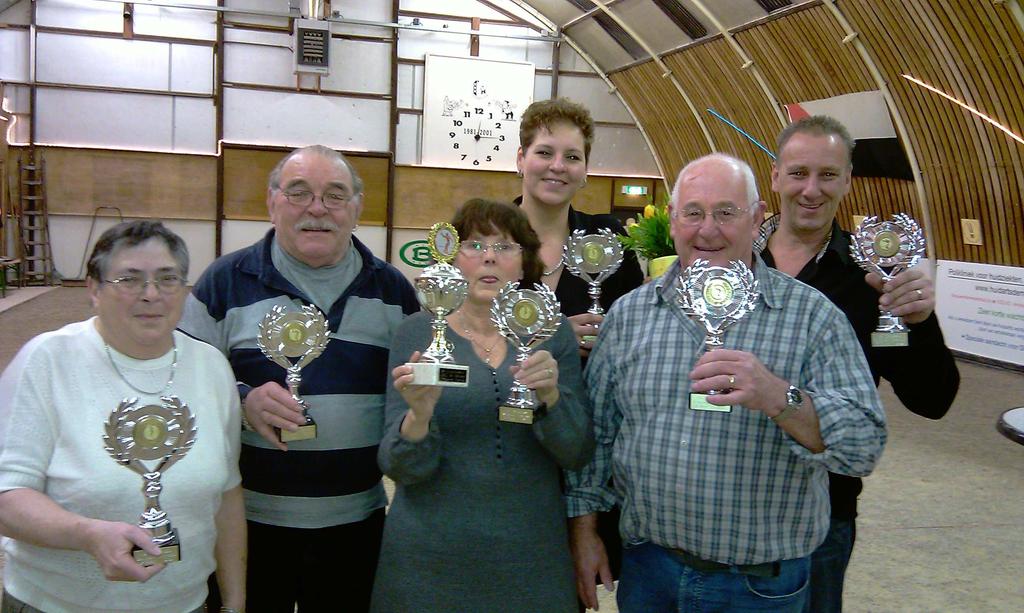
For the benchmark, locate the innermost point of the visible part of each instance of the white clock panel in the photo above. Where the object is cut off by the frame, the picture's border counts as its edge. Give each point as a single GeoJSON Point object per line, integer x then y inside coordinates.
{"type": "Point", "coordinates": [471, 111]}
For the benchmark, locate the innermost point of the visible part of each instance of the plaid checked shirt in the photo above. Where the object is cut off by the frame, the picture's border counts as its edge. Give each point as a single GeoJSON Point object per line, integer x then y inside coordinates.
{"type": "Point", "coordinates": [729, 487]}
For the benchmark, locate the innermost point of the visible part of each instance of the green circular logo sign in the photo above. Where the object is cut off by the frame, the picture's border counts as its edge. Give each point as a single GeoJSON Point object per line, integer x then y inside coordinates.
{"type": "Point", "coordinates": [415, 253]}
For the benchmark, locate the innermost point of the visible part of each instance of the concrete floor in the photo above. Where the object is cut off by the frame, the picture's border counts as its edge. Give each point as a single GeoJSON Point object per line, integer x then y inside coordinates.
{"type": "Point", "coordinates": [941, 524]}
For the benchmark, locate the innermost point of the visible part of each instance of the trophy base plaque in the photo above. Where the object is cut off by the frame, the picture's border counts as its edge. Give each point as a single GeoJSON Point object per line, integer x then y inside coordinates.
{"type": "Point", "coordinates": [889, 339]}
{"type": "Point", "coordinates": [304, 433]}
{"type": "Point", "coordinates": [168, 554]}
{"type": "Point", "coordinates": [699, 402]}
{"type": "Point", "coordinates": [445, 375]}
{"type": "Point", "coordinates": [515, 415]}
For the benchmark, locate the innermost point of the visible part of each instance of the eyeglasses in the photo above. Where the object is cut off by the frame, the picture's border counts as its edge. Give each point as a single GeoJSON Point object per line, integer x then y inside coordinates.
{"type": "Point", "coordinates": [304, 197]}
{"type": "Point", "coordinates": [693, 216]}
{"type": "Point", "coordinates": [476, 249]}
{"type": "Point", "coordinates": [132, 285]}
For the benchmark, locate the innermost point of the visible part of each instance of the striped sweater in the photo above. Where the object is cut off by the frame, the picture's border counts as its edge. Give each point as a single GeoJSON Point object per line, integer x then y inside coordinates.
{"type": "Point", "coordinates": [333, 479]}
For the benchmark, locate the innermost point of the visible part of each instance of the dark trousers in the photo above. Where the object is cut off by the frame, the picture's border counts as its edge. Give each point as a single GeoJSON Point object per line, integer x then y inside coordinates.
{"type": "Point", "coordinates": [828, 567]}
{"type": "Point", "coordinates": [323, 569]}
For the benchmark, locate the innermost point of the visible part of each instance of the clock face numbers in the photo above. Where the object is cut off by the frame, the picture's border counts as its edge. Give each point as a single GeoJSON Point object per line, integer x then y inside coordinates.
{"type": "Point", "coordinates": [471, 111]}
{"type": "Point", "coordinates": [479, 130]}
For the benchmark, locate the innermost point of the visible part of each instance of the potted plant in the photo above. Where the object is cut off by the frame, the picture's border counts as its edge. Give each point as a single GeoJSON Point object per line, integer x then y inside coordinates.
{"type": "Point", "coordinates": [649, 238]}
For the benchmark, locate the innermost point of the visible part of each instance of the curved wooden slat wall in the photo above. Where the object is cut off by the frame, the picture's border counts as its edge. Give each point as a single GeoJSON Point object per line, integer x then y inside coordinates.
{"type": "Point", "coordinates": [972, 50]}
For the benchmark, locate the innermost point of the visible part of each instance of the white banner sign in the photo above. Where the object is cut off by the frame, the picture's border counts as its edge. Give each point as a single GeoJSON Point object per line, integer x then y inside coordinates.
{"type": "Point", "coordinates": [981, 309]}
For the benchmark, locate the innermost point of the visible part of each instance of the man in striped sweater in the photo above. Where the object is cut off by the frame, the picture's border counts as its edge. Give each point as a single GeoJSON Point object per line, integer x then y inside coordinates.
{"type": "Point", "coordinates": [315, 508]}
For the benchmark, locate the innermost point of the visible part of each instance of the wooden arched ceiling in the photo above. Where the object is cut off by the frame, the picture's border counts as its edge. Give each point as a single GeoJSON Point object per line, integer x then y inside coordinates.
{"type": "Point", "coordinates": [969, 49]}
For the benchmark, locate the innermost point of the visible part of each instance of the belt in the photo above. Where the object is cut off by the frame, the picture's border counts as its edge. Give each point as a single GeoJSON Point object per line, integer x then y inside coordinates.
{"type": "Point", "coordinates": [764, 569]}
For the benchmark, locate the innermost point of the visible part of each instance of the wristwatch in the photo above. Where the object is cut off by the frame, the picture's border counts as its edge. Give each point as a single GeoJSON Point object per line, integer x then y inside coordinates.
{"type": "Point", "coordinates": [794, 398]}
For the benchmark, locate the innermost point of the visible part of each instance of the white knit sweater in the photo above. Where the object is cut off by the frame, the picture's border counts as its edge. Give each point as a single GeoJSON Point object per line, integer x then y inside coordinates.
{"type": "Point", "coordinates": [55, 398]}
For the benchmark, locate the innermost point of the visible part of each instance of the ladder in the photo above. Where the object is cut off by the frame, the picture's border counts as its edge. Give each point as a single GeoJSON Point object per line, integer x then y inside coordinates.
{"type": "Point", "coordinates": [33, 221]}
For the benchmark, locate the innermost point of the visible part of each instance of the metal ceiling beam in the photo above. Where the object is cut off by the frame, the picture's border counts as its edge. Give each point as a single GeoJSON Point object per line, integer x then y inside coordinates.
{"type": "Point", "coordinates": [612, 89]}
{"type": "Point", "coordinates": [853, 37]}
{"type": "Point", "coordinates": [666, 72]}
{"type": "Point", "coordinates": [355, 22]}
{"type": "Point", "coordinates": [748, 63]}
{"type": "Point", "coordinates": [587, 15]}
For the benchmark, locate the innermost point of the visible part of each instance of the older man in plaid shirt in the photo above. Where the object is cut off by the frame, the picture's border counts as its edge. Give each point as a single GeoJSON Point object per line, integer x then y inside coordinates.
{"type": "Point", "coordinates": [720, 509]}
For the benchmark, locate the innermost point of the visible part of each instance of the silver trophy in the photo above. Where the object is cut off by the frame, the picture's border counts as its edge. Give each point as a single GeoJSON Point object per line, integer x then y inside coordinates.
{"type": "Point", "coordinates": [526, 318]}
{"type": "Point", "coordinates": [288, 334]}
{"type": "Point", "coordinates": [164, 434]}
{"type": "Point", "coordinates": [718, 297]}
{"type": "Point", "coordinates": [593, 258]}
{"type": "Point", "coordinates": [440, 289]}
{"type": "Point", "coordinates": [888, 248]}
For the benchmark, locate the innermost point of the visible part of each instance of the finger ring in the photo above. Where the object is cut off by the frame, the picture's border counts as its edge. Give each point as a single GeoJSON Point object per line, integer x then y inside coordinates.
{"type": "Point", "coordinates": [551, 372]}
{"type": "Point", "coordinates": [732, 380]}
{"type": "Point", "coordinates": [582, 342]}
{"type": "Point", "coordinates": [920, 294]}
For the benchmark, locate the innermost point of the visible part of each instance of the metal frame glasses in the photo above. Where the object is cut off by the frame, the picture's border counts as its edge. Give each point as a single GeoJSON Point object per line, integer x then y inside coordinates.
{"type": "Point", "coordinates": [695, 216]}
{"type": "Point", "coordinates": [135, 285]}
{"type": "Point", "coordinates": [477, 249]}
{"type": "Point", "coordinates": [304, 197]}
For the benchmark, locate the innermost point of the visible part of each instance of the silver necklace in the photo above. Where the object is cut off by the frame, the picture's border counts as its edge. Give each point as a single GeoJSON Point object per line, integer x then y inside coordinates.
{"type": "Point", "coordinates": [472, 340]}
{"type": "Point", "coordinates": [170, 379]}
{"type": "Point", "coordinates": [548, 273]}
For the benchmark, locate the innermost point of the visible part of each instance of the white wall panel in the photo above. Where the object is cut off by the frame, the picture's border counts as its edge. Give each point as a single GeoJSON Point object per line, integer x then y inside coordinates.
{"type": "Point", "coordinates": [191, 68]}
{"type": "Point", "coordinates": [85, 60]}
{"type": "Point", "coordinates": [275, 118]}
{"type": "Point", "coordinates": [410, 86]}
{"type": "Point", "coordinates": [180, 23]}
{"type": "Point", "coordinates": [407, 139]}
{"type": "Point", "coordinates": [409, 252]}
{"type": "Point", "coordinates": [538, 53]}
{"type": "Point", "coordinates": [195, 126]}
{"type": "Point", "coordinates": [542, 87]}
{"type": "Point", "coordinates": [621, 151]}
{"type": "Point", "coordinates": [14, 55]}
{"type": "Point", "coordinates": [17, 101]}
{"type": "Point", "coordinates": [415, 45]}
{"type": "Point", "coordinates": [71, 241]}
{"type": "Point", "coordinates": [133, 121]}
{"type": "Point", "coordinates": [80, 14]}
{"type": "Point", "coordinates": [375, 238]}
{"type": "Point", "coordinates": [259, 64]}
{"type": "Point", "coordinates": [237, 234]}
{"type": "Point", "coordinates": [593, 92]}
{"type": "Point", "coordinates": [275, 6]}
{"type": "Point", "coordinates": [465, 8]}
{"type": "Point", "coordinates": [365, 10]}
{"type": "Point", "coordinates": [508, 49]}
{"type": "Point", "coordinates": [359, 66]}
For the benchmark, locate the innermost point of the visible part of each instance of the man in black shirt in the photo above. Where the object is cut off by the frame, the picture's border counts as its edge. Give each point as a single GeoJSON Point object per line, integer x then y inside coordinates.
{"type": "Point", "coordinates": [811, 176]}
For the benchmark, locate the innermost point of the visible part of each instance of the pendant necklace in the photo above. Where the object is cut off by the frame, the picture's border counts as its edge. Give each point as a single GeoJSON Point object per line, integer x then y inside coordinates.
{"type": "Point", "coordinates": [472, 339]}
{"type": "Point", "coordinates": [170, 379]}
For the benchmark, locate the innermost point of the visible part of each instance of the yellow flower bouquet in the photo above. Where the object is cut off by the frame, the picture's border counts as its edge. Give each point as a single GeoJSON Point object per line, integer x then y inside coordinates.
{"type": "Point", "coordinates": [650, 239]}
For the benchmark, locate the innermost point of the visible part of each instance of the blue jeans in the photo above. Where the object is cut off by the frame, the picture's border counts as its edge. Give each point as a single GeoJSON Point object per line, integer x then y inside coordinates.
{"type": "Point", "coordinates": [828, 567]}
{"type": "Point", "coordinates": [654, 580]}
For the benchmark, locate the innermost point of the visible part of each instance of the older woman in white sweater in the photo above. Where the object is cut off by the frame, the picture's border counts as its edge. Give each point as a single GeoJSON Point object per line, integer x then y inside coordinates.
{"type": "Point", "coordinates": [68, 510]}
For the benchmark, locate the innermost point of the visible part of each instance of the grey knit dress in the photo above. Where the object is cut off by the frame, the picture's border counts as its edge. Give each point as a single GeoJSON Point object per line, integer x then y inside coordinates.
{"type": "Point", "coordinates": [478, 521]}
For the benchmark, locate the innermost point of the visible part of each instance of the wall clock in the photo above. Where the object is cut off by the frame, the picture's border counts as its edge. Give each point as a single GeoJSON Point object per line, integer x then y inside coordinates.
{"type": "Point", "coordinates": [471, 111]}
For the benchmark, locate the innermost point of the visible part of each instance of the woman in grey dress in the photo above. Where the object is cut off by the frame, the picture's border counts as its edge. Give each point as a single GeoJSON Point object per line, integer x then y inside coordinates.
{"type": "Point", "coordinates": [478, 521]}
